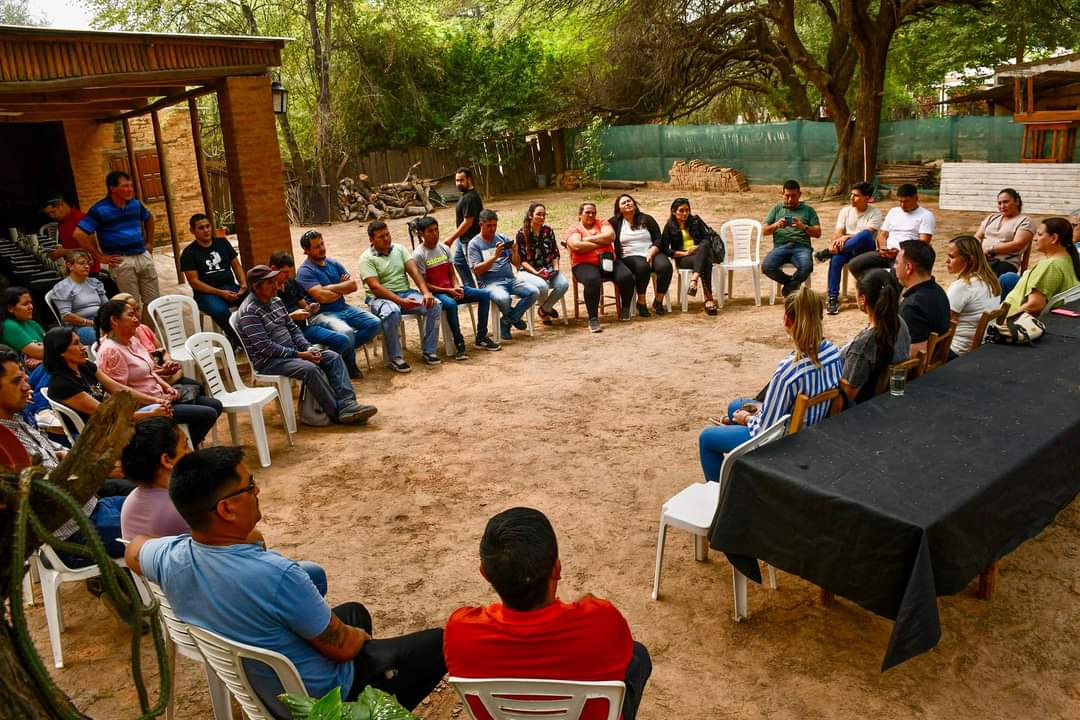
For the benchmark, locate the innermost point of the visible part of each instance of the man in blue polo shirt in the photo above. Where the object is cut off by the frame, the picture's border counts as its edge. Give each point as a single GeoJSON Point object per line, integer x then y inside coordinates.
{"type": "Point", "coordinates": [117, 221]}
{"type": "Point", "coordinates": [327, 282]}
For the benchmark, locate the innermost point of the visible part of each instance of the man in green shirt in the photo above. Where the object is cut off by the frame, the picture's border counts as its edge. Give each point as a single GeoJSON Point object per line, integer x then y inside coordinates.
{"type": "Point", "coordinates": [386, 268]}
{"type": "Point", "coordinates": [791, 223]}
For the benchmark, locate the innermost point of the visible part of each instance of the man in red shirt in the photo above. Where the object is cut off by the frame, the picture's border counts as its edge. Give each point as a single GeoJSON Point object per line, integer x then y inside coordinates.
{"type": "Point", "coordinates": [533, 634]}
{"type": "Point", "coordinates": [67, 219]}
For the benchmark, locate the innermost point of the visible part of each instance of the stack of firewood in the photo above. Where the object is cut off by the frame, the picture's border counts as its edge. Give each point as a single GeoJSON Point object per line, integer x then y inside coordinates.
{"type": "Point", "coordinates": [358, 200]}
{"type": "Point", "coordinates": [701, 176]}
{"type": "Point", "coordinates": [916, 172]}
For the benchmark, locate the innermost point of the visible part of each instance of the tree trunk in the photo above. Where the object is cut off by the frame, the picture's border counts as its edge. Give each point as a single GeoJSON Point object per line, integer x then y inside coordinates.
{"type": "Point", "coordinates": [320, 48]}
{"type": "Point", "coordinates": [80, 475]}
{"type": "Point", "coordinates": [868, 115]}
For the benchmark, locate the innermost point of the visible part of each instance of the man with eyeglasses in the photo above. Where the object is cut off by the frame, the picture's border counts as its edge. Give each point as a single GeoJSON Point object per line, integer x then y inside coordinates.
{"type": "Point", "coordinates": [216, 579]}
{"type": "Point", "coordinates": [327, 282]}
{"type": "Point", "coordinates": [857, 226]}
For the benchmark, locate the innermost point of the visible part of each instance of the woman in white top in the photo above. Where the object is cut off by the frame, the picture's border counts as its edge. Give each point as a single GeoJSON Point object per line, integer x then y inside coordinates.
{"type": "Point", "coordinates": [637, 242]}
{"type": "Point", "coordinates": [974, 292]}
{"type": "Point", "coordinates": [1006, 235]}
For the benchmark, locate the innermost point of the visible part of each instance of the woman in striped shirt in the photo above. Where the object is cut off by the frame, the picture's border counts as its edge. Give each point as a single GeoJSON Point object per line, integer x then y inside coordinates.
{"type": "Point", "coordinates": [813, 367]}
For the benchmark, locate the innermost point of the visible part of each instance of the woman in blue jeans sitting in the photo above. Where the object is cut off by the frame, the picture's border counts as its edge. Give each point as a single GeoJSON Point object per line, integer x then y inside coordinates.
{"type": "Point", "coordinates": [813, 367]}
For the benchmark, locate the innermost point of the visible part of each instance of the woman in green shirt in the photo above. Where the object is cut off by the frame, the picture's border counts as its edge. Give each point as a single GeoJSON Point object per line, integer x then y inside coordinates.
{"type": "Point", "coordinates": [20, 331]}
{"type": "Point", "coordinates": [1055, 273]}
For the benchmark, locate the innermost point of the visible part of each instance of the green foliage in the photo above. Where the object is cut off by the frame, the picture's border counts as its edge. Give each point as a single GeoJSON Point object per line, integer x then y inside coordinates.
{"type": "Point", "coordinates": [373, 704]}
{"type": "Point", "coordinates": [17, 12]}
{"type": "Point", "coordinates": [589, 152]}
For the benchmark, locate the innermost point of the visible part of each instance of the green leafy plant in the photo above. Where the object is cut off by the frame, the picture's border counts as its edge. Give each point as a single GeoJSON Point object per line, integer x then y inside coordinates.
{"type": "Point", "coordinates": [373, 704]}
{"type": "Point", "coordinates": [589, 152]}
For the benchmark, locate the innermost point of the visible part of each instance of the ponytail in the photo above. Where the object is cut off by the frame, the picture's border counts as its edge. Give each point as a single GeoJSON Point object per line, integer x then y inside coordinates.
{"type": "Point", "coordinates": [883, 305]}
{"type": "Point", "coordinates": [1063, 229]}
{"type": "Point", "coordinates": [805, 310]}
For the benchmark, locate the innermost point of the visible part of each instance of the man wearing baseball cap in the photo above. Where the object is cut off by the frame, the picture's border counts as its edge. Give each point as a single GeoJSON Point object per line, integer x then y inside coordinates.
{"type": "Point", "coordinates": [276, 346]}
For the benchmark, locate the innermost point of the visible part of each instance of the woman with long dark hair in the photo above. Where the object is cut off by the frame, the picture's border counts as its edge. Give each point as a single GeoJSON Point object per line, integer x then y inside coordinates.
{"type": "Point", "coordinates": [124, 359]}
{"type": "Point", "coordinates": [1055, 273]}
{"type": "Point", "coordinates": [686, 243]}
{"type": "Point", "coordinates": [883, 341]}
{"type": "Point", "coordinates": [1006, 234]}
{"type": "Point", "coordinates": [637, 243]}
{"type": "Point", "coordinates": [975, 291]}
{"type": "Point", "coordinates": [19, 330]}
{"type": "Point", "coordinates": [813, 367]}
{"type": "Point", "coordinates": [539, 254]}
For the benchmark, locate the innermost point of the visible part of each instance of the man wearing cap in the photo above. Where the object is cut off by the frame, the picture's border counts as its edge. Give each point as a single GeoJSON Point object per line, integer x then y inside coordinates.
{"type": "Point", "coordinates": [67, 219]}
{"type": "Point", "coordinates": [276, 346]}
{"type": "Point", "coordinates": [117, 221]}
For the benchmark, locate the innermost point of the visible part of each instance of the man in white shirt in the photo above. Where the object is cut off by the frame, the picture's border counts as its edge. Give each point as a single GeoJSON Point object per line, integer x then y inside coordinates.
{"type": "Point", "coordinates": [906, 222]}
{"type": "Point", "coordinates": [857, 227]}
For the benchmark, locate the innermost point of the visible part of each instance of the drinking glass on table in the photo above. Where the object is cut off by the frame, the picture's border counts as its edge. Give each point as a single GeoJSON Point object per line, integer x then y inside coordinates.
{"type": "Point", "coordinates": [897, 382]}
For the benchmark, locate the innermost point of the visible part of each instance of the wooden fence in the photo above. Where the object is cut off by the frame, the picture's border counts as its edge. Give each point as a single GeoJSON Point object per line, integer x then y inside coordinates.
{"type": "Point", "coordinates": [521, 160]}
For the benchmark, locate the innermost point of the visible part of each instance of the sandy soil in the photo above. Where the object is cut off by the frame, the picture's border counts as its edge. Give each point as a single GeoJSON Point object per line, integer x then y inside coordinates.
{"type": "Point", "coordinates": [597, 431]}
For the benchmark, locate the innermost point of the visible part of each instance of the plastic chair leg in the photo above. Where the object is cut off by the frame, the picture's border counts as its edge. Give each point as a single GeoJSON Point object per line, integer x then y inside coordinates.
{"type": "Point", "coordinates": [772, 576]}
{"type": "Point", "coordinates": [701, 548]}
{"type": "Point", "coordinates": [448, 340]}
{"type": "Point", "coordinates": [659, 557]}
{"type": "Point", "coordinates": [219, 695]}
{"type": "Point", "coordinates": [285, 402]}
{"type": "Point", "coordinates": [285, 422]}
{"type": "Point", "coordinates": [54, 619]}
{"type": "Point", "coordinates": [28, 585]}
{"type": "Point", "coordinates": [531, 320]}
{"type": "Point", "coordinates": [234, 429]}
{"type": "Point", "coordinates": [565, 314]}
{"type": "Point", "coordinates": [472, 318]}
{"type": "Point", "coordinates": [738, 582]}
{"type": "Point", "coordinates": [757, 286]}
{"type": "Point", "coordinates": [719, 285]}
{"type": "Point", "coordinates": [258, 426]}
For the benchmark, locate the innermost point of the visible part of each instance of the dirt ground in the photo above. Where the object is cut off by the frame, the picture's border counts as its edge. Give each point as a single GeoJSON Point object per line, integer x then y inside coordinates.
{"type": "Point", "coordinates": [598, 431]}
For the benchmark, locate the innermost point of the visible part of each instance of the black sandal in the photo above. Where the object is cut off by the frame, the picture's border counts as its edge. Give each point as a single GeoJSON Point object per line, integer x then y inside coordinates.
{"type": "Point", "coordinates": [710, 307]}
{"type": "Point", "coordinates": [692, 291]}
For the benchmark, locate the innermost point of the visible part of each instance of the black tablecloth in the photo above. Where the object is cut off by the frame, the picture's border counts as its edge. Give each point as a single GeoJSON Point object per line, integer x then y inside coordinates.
{"type": "Point", "coordinates": [1064, 326]}
{"type": "Point", "coordinates": [899, 500]}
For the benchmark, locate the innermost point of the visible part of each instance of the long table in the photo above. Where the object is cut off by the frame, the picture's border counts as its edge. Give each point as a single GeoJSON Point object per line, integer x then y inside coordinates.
{"type": "Point", "coordinates": [902, 499]}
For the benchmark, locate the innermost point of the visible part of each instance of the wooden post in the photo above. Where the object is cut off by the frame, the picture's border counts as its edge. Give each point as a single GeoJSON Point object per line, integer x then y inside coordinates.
{"type": "Point", "coordinates": [133, 168]}
{"type": "Point", "coordinates": [200, 159]}
{"type": "Point", "coordinates": [163, 168]}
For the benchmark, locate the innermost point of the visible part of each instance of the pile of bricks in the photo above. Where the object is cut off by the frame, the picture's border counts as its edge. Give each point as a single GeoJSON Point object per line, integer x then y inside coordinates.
{"type": "Point", "coordinates": [702, 177]}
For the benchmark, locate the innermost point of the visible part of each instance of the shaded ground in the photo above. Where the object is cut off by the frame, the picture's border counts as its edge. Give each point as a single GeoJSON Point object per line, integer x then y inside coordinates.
{"type": "Point", "coordinates": [597, 431]}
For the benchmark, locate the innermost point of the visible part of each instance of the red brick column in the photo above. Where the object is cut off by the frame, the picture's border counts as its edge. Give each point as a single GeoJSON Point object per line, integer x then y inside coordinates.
{"type": "Point", "coordinates": [254, 162]}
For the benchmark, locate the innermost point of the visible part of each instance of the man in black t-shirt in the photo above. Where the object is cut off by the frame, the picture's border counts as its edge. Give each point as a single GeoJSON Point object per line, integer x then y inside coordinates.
{"type": "Point", "coordinates": [213, 270]}
{"type": "Point", "coordinates": [467, 217]}
{"type": "Point", "coordinates": [925, 306]}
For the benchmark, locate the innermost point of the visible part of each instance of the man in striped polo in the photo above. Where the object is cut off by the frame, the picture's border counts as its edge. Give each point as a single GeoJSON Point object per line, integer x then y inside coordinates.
{"type": "Point", "coordinates": [117, 222]}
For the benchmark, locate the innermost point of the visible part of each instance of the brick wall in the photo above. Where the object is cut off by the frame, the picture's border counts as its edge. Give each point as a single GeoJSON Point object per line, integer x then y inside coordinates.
{"type": "Point", "coordinates": [254, 162]}
{"type": "Point", "coordinates": [91, 145]}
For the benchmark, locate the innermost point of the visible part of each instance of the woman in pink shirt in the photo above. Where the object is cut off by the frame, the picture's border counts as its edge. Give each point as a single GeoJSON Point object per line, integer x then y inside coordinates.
{"type": "Point", "coordinates": [164, 366]}
{"type": "Point", "coordinates": [125, 360]}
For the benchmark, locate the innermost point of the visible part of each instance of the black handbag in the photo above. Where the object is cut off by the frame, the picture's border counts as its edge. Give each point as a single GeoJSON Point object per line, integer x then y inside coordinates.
{"type": "Point", "coordinates": [188, 393]}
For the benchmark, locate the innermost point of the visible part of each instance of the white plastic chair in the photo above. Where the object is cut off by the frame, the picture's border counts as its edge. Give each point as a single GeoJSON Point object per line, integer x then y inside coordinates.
{"type": "Point", "coordinates": [513, 699]}
{"type": "Point", "coordinates": [51, 577]}
{"type": "Point", "coordinates": [283, 383]}
{"type": "Point", "coordinates": [169, 314]}
{"type": "Point", "coordinates": [684, 275]}
{"type": "Point", "coordinates": [1066, 296]}
{"type": "Point", "coordinates": [742, 251]}
{"type": "Point", "coordinates": [225, 658]}
{"type": "Point", "coordinates": [693, 510]}
{"type": "Point", "coordinates": [203, 348]}
{"type": "Point", "coordinates": [179, 641]}
{"type": "Point", "coordinates": [809, 282]}
{"type": "Point", "coordinates": [52, 308]}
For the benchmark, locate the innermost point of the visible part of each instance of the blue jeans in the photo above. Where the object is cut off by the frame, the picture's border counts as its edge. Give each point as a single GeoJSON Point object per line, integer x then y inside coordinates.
{"type": "Point", "coordinates": [317, 574]}
{"type": "Point", "coordinates": [461, 263]}
{"type": "Point", "coordinates": [551, 290]}
{"type": "Point", "coordinates": [339, 343]}
{"type": "Point", "coordinates": [389, 313]}
{"type": "Point", "coordinates": [86, 335]}
{"type": "Point", "coordinates": [220, 309]}
{"type": "Point", "coordinates": [715, 442]}
{"type": "Point", "coordinates": [359, 325]}
{"type": "Point", "coordinates": [798, 255]}
{"type": "Point", "coordinates": [1008, 281]}
{"type": "Point", "coordinates": [106, 520]}
{"type": "Point", "coordinates": [450, 307]}
{"type": "Point", "coordinates": [328, 381]}
{"type": "Point", "coordinates": [860, 242]}
{"type": "Point", "coordinates": [501, 290]}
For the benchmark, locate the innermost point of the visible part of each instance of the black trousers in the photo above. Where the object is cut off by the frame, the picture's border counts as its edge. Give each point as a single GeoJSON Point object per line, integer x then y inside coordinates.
{"type": "Point", "coordinates": [637, 674]}
{"type": "Point", "coordinates": [868, 261]}
{"type": "Point", "coordinates": [408, 666]}
{"type": "Point", "coordinates": [642, 271]}
{"type": "Point", "coordinates": [592, 277]}
{"type": "Point", "coordinates": [1000, 267]}
{"type": "Point", "coordinates": [700, 262]}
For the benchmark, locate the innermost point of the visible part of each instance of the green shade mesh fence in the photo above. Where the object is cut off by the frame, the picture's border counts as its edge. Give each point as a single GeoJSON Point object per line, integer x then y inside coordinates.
{"type": "Point", "coordinates": [801, 149]}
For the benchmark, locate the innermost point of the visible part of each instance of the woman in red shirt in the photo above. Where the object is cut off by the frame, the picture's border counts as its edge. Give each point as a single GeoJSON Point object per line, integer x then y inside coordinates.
{"type": "Point", "coordinates": [591, 241]}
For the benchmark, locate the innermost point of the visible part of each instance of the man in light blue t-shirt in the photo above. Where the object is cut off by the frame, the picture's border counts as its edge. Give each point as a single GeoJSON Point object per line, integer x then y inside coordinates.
{"type": "Point", "coordinates": [490, 257]}
{"type": "Point", "coordinates": [327, 282]}
{"type": "Point", "coordinates": [216, 579]}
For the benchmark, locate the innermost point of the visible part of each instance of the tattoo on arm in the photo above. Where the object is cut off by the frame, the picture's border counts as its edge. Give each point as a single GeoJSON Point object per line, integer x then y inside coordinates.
{"type": "Point", "coordinates": [335, 634]}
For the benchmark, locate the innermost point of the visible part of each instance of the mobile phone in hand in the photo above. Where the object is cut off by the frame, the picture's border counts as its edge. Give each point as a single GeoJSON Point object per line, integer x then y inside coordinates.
{"type": "Point", "coordinates": [313, 308]}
